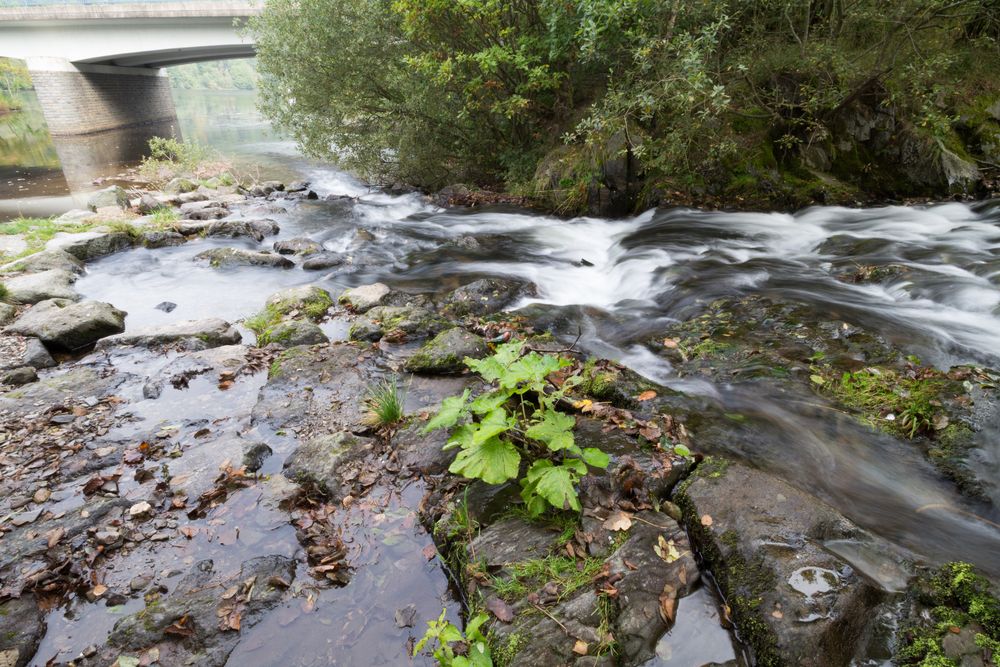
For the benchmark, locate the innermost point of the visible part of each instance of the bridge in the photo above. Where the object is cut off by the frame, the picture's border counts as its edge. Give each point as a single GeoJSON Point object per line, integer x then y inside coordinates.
{"type": "Point", "coordinates": [96, 64]}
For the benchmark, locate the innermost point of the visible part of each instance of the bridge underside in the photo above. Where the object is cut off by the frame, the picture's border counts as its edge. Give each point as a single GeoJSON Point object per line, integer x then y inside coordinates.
{"type": "Point", "coordinates": [178, 56]}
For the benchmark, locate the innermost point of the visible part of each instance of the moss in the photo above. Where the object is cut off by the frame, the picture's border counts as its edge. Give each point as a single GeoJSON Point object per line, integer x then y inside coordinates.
{"type": "Point", "coordinates": [504, 650]}
{"type": "Point", "coordinates": [277, 367]}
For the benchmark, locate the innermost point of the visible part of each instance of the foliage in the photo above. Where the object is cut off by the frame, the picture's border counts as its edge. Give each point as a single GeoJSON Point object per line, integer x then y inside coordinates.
{"type": "Point", "coordinates": [444, 636]}
{"type": "Point", "coordinates": [165, 216]}
{"type": "Point", "coordinates": [13, 77]}
{"type": "Point", "coordinates": [521, 578]}
{"type": "Point", "coordinates": [385, 402]}
{"type": "Point", "coordinates": [169, 158]}
{"type": "Point", "coordinates": [517, 421]}
{"type": "Point", "coordinates": [3, 292]}
{"type": "Point", "coordinates": [217, 75]}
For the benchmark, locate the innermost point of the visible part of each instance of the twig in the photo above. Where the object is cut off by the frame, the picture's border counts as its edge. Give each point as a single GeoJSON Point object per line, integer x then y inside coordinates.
{"type": "Point", "coordinates": [571, 348]}
{"type": "Point", "coordinates": [568, 633]}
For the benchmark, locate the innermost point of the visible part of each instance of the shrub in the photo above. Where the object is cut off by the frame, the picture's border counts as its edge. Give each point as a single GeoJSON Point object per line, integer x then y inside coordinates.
{"type": "Point", "coordinates": [443, 635]}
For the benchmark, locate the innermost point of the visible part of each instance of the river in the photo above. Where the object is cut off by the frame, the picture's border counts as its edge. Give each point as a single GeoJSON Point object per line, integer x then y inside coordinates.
{"type": "Point", "coordinates": [616, 285]}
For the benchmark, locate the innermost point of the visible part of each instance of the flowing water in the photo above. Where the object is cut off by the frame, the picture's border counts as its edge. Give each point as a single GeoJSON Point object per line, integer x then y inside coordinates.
{"type": "Point", "coordinates": [616, 285]}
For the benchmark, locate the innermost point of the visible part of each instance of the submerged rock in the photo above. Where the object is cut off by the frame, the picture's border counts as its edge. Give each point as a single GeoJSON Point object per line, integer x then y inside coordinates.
{"type": "Point", "coordinates": [297, 246]}
{"type": "Point", "coordinates": [219, 258]}
{"type": "Point", "coordinates": [70, 326]}
{"type": "Point", "coordinates": [483, 297]}
{"type": "Point", "coordinates": [445, 353]}
{"type": "Point", "coordinates": [409, 321]}
{"type": "Point", "coordinates": [35, 287]}
{"type": "Point", "coordinates": [363, 298]}
{"type": "Point", "coordinates": [191, 334]}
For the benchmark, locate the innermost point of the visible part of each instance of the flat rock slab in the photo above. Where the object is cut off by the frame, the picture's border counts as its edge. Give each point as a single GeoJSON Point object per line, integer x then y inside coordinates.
{"type": "Point", "coordinates": [405, 321]}
{"type": "Point", "coordinates": [193, 334]}
{"type": "Point", "coordinates": [254, 229]}
{"type": "Point", "coordinates": [792, 601]}
{"type": "Point", "coordinates": [220, 258]}
{"type": "Point", "coordinates": [297, 246]}
{"type": "Point", "coordinates": [363, 298]}
{"type": "Point", "coordinates": [325, 460]}
{"type": "Point", "coordinates": [18, 352]}
{"type": "Point", "coordinates": [46, 260]}
{"type": "Point", "coordinates": [445, 354]}
{"type": "Point", "coordinates": [35, 287]}
{"type": "Point", "coordinates": [69, 326]}
{"type": "Point", "coordinates": [86, 246]}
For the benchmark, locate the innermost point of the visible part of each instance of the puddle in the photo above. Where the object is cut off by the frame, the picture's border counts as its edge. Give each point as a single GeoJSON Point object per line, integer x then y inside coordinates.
{"type": "Point", "coordinates": [697, 637]}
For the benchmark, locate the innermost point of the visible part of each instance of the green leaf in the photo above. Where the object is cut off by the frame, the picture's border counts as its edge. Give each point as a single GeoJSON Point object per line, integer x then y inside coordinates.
{"type": "Point", "coordinates": [492, 425]}
{"type": "Point", "coordinates": [817, 379]}
{"type": "Point", "coordinates": [682, 450]}
{"type": "Point", "coordinates": [556, 484]}
{"type": "Point", "coordinates": [461, 436]}
{"type": "Point", "coordinates": [532, 369]}
{"type": "Point", "coordinates": [452, 409]}
{"type": "Point", "coordinates": [555, 430]}
{"type": "Point", "coordinates": [493, 461]}
{"type": "Point", "coordinates": [493, 367]}
{"type": "Point", "coordinates": [596, 457]}
{"type": "Point", "coordinates": [488, 402]}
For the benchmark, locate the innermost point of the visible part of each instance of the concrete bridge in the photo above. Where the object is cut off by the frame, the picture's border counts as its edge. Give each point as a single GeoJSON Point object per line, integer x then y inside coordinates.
{"type": "Point", "coordinates": [96, 64]}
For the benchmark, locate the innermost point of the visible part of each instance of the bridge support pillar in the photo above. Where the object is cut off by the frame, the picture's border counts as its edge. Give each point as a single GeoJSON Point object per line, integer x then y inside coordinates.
{"type": "Point", "coordinates": [85, 99]}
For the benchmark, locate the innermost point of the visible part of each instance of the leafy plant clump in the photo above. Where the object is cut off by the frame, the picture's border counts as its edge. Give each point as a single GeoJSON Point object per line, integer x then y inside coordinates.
{"type": "Point", "coordinates": [385, 403]}
{"type": "Point", "coordinates": [518, 421]}
{"type": "Point", "coordinates": [448, 641]}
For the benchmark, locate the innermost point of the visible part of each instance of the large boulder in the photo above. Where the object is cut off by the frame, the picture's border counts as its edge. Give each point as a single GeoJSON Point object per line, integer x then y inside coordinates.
{"type": "Point", "coordinates": [113, 196]}
{"type": "Point", "coordinates": [308, 300]}
{"type": "Point", "coordinates": [322, 261]}
{"type": "Point", "coordinates": [157, 239]}
{"type": "Point", "coordinates": [180, 186]}
{"type": "Point", "coordinates": [483, 297]}
{"type": "Point", "coordinates": [86, 246]}
{"type": "Point", "coordinates": [46, 261]}
{"type": "Point", "coordinates": [793, 601]}
{"type": "Point", "coordinates": [191, 334]}
{"type": "Point", "coordinates": [66, 325]}
{"type": "Point", "coordinates": [220, 258]}
{"type": "Point", "coordinates": [445, 354]}
{"type": "Point", "coordinates": [148, 203]}
{"type": "Point", "coordinates": [35, 287]}
{"type": "Point", "coordinates": [403, 321]}
{"type": "Point", "coordinates": [19, 352]}
{"type": "Point", "coordinates": [363, 298]}
{"type": "Point", "coordinates": [254, 229]}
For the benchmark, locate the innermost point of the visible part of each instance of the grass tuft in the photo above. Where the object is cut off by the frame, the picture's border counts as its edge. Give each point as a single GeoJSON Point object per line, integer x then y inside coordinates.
{"type": "Point", "coordinates": [385, 403]}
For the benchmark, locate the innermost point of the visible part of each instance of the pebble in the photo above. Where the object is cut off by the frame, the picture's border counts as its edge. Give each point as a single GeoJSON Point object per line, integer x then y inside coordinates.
{"type": "Point", "coordinates": [160, 537]}
{"type": "Point", "coordinates": [63, 419]}
{"type": "Point", "coordinates": [140, 509]}
{"type": "Point", "coordinates": [140, 582]}
{"type": "Point", "coordinates": [26, 518]}
{"type": "Point", "coordinates": [107, 537]}
{"type": "Point", "coordinates": [41, 495]}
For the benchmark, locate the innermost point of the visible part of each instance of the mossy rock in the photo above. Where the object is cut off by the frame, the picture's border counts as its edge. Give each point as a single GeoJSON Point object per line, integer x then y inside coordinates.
{"type": "Point", "coordinates": [407, 321]}
{"type": "Point", "coordinates": [445, 354]}
{"type": "Point", "coordinates": [311, 301]}
{"type": "Point", "coordinates": [293, 333]}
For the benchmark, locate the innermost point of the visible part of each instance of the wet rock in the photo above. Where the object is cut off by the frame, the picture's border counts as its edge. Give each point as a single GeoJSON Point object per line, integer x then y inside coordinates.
{"type": "Point", "coordinates": [363, 298]}
{"type": "Point", "coordinates": [113, 196]}
{"type": "Point", "coordinates": [18, 352]}
{"type": "Point", "coordinates": [512, 541]}
{"type": "Point", "coordinates": [140, 582]}
{"type": "Point", "coordinates": [483, 297]}
{"type": "Point", "coordinates": [792, 601]}
{"type": "Point", "coordinates": [199, 597]}
{"type": "Point", "coordinates": [70, 326]}
{"type": "Point", "coordinates": [297, 186]}
{"type": "Point", "coordinates": [296, 332]}
{"type": "Point", "coordinates": [254, 229]}
{"type": "Point", "coordinates": [323, 460]}
{"type": "Point", "coordinates": [45, 261]}
{"type": "Point", "coordinates": [19, 376]}
{"type": "Point", "coordinates": [420, 452]}
{"type": "Point", "coordinates": [180, 186]}
{"type": "Point", "coordinates": [233, 257]}
{"type": "Point", "coordinates": [166, 306]}
{"type": "Point", "coordinates": [445, 353]}
{"type": "Point", "coordinates": [78, 384]}
{"type": "Point", "coordinates": [75, 215]}
{"type": "Point", "coordinates": [266, 188]}
{"type": "Point", "coordinates": [22, 625]}
{"type": "Point", "coordinates": [7, 313]}
{"type": "Point", "coordinates": [148, 203]}
{"type": "Point", "coordinates": [190, 208]}
{"type": "Point", "coordinates": [308, 300]}
{"type": "Point", "coordinates": [188, 197]}
{"type": "Point", "coordinates": [254, 457]}
{"type": "Point", "coordinates": [297, 246]}
{"type": "Point", "coordinates": [35, 287]}
{"type": "Point", "coordinates": [189, 334]}
{"type": "Point", "coordinates": [86, 246]}
{"type": "Point", "coordinates": [408, 321]}
{"type": "Point", "coordinates": [153, 240]}
{"type": "Point", "coordinates": [322, 261]}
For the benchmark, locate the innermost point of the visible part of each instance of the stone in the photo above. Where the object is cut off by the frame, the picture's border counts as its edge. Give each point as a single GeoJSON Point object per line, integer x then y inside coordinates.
{"type": "Point", "coordinates": [166, 306]}
{"type": "Point", "coordinates": [86, 246]}
{"type": "Point", "coordinates": [47, 260]}
{"type": "Point", "coordinates": [297, 246]}
{"type": "Point", "coordinates": [7, 313]}
{"type": "Point", "coordinates": [310, 300]}
{"type": "Point", "coordinates": [18, 352]}
{"type": "Point", "coordinates": [188, 197]}
{"type": "Point", "coordinates": [423, 453]}
{"type": "Point", "coordinates": [323, 460]}
{"type": "Point", "coordinates": [295, 332]}
{"type": "Point", "coordinates": [190, 334]}
{"type": "Point", "coordinates": [792, 601]}
{"type": "Point", "coordinates": [41, 495]}
{"type": "Point", "coordinates": [255, 455]}
{"type": "Point", "coordinates": [180, 186]}
{"type": "Point", "coordinates": [255, 229]}
{"type": "Point", "coordinates": [484, 297]}
{"type": "Point", "coordinates": [156, 239]}
{"type": "Point", "coordinates": [140, 582]}
{"type": "Point", "coordinates": [19, 376]}
{"type": "Point", "coordinates": [297, 186]}
{"type": "Point", "coordinates": [107, 537]}
{"type": "Point", "coordinates": [112, 196]}
{"type": "Point", "coordinates": [148, 203]}
{"type": "Point", "coordinates": [215, 212]}
{"type": "Point", "coordinates": [322, 261]}
{"type": "Point", "coordinates": [22, 625]}
{"type": "Point", "coordinates": [445, 354]}
{"type": "Point", "coordinates": [74, 216]}
{"type": "Point", "coordinates": [140, 510]}
{"type": "Point", "coordinates": [219, 258]}
{"type": "Point", "coordinates": [363, 298]}
{"type": "Point", "coordinates": [408, 321]}
{"type": "Point", "coordinates": [35, 287]}
{"type": "Point", "coordinates": [69, 326]}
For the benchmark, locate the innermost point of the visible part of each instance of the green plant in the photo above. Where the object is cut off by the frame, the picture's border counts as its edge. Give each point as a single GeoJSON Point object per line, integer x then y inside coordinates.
{"type": "Point", "coordinates": [36, 232]}
{"type": "Point", "coordinates": [124, 227]}
{"type": "Point", "coordinates": [518, 420]}
{"type": "Point", "coordinates": [385, 403]}
{"type": "Point", "coordinates": [165, 216]}
{"type": "Point", "coordinates": [3, 292]}
{"type": "Point", "coordinates": [523, 577]}
{"type": "Point", "coordinates": [444, 635]}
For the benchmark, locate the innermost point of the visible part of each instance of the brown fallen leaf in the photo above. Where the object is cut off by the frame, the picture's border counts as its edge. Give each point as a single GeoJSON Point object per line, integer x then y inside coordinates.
{"type": "Point", "coordinates": [706, 520]}
{"type": "Point", "coordinates": [647, 395]}
{"type": "Point", "coordinates": [179, 627]}
{"type": "Point", "coordinates": [500, 609]}
{"type": "Point", "coordinates": [54, 535]}
{"type": "Point", "coordinates": [580, 647]}
{"type": "Point", "coordinates": [630, 565]}
{"type": "Point", "coordinates": [98, 590]}
{"type": "Point", "coordinates": [618, 521]}
{"type": "Point", "coordinates": [187, 531]}
{"type": "Point", "coordinates": [668, 607]}
{"type": "Point", "coordinates": [670, 343]}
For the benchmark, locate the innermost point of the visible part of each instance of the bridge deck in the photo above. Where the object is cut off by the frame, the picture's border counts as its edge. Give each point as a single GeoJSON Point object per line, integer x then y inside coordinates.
{"type": "Point", "coordinates": [98, 10]}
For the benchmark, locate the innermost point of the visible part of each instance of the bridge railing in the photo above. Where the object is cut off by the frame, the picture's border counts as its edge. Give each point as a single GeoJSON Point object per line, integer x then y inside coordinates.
{"type": "Point", "coordinates": [75, 3]}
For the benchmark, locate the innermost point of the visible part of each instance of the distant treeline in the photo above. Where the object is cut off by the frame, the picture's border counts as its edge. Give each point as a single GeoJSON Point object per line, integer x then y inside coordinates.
{"type": "Point", "coordinates": [219, 75]}
{"type": "Point", "coordinates": [13, 77]}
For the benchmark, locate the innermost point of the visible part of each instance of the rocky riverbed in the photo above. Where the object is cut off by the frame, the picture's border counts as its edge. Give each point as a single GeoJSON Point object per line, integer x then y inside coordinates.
{"type": "Point", "coordinates": [212, 490]}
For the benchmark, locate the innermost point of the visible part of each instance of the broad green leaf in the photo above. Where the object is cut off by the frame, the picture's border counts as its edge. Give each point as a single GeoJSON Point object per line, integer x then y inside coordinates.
{"type": "Point", "coordinates": [492, 425]}
{"type": "Point", "coordinates": [596, 457]}
{"type": "Point", "coordinates": [576, 465]}
{"type": "Point", "coordinates": [452, 409]}
{"type": "Point", "coordinates": [488, 402]}
{"type": "Point", "coordinates": [555, 483]}
{"type": "Point", "coordinates": [492, 368]}
{"type": "Point", "coordinates": [555, 430]}
{"type": "Point", "coordinates": [476, 622]}
{"type": "Point", "coordinates": [682, 450]}
{"type": "Point", "coordinates": [461, 436]}
{"type": "Point", "coordinates": [493, 461]}
{"type": "Point", "coordinates": [532, 369]}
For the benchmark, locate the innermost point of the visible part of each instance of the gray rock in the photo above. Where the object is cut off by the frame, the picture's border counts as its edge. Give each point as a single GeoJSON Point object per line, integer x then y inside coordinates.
{"type": "Point", "coordinates": [74, 216]}
{"type": "Point", "coordinates": [363, 298]}
{"type": "Point", "coordinates": [180, 186]}
{"type": "Point", "coordinates": [166, 306]}
{"type": "Point", "coordinates": [322, 261]}
{"type": "Point", "coordinates": [297, 186]}
{"type": "Point", "coordinates": [188, 197]}
{"type": "Point", "coordinates": [230, 257]}
{"type": "Point", "coordinates": [148, 203]}
{"type": "Point", "coordinates": [86, 246]}
{"type": "Point", "coordinates": [293, 333]}
{"type": "Point", "coordinates": [35, 287]}
{"type": "Point", "coordinates": [7, 313]}
{"type": "Point", "coordinates": [409, 321]}
{"type": "Point", "coordinates": [19, 351]}
{"type": "Point", "coordinates": [69, 326]}
{"type": "Point", "coordinates": [213, 212]}
{"type": "Point", "coordinates": [45, 261]}
{"type": "Point", "coordinates": [255, 455]}
{"type": "Point", "coordinates": [420, 452]}
{"type": "Point", "coordinates": [19, 376]}
{"type": "Point", "coordinates": [323, 461]}
{"type": "Point", "coordinates": [22, 625]}
{"type": "Point", "coordinates": [113, 196]}
{"type": "Point", "coordinates": [793, 601]}
{"type": "Point", "coordinates": [191, 334]}
{"type": "Point", "coordinates": [266, 188]}
{"type": "Point", "coordinates": [153, 240]}
{"type": "Point", "coordinates": [191, 207]}
{"type": "Point", "coordinates": [484, 297]}
{"type": "Point", "coordinates": [255, 229]}
{"type": "Point", "coordinates": [309, 300]}
{"type": "Point", "coordinates": [445, 354]}
{"type": "Point", "coordinates": [297, 246]}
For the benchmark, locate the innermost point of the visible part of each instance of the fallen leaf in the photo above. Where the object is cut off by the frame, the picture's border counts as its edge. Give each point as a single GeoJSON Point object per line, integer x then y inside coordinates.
{"type": "Point", "coordinates": [670, 343]}
{"type": "Point", "coordinates": [583, 405]}
{"type": "Point", "coordinates": [632, 566]}
{"type": "Point", "coordinates": [817, 379]}
{"type": "Point", "coordinates": [54, 535]}
{"type": "Point", "coordinates": [646, 395]}
{"type": "Point", "coordinates": [500, 609]}
{"type": "Point", "coordinates": [187, 531]}
{"type": "Point", "coordinates": [706, 520]}
{"type": "Point", "coordinates": [98, 590]}
{"type": "Point", "coordinates": [580, 647]}
{"type": "Point", "coordinates": [179, 628]}
{"type": "Point", "coordinates": [666, 550]}
{"type": "Point", "coordinates": [618, 521]}
{"type": "Point", "coordinates": [668, 606]}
